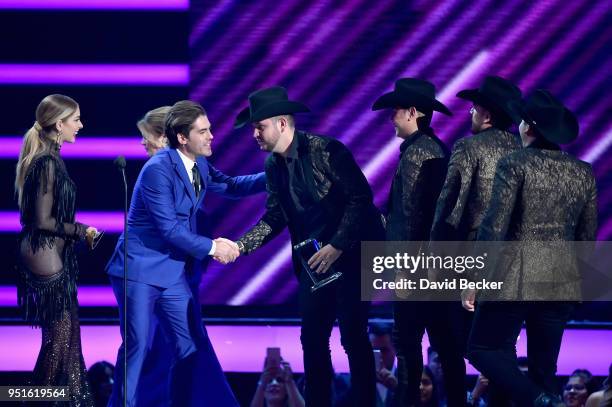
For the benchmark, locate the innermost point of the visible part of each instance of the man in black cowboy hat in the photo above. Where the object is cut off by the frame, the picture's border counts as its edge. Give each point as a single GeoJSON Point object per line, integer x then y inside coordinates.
{"type": "Point", "coordinates": [469, 179]}
{"type": "Point", "coordinates": [316, 188]}
{"type": "Point", "coordinates": [412, 200]}
{"type": "Point", "coordinates": [540, 194]}
{"type": "Point", "coordinates": [467, 188]}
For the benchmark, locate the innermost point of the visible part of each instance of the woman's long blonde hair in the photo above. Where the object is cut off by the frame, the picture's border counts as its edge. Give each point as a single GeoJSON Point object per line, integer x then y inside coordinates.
{"type": "Point", "coordinates": [50, 110]}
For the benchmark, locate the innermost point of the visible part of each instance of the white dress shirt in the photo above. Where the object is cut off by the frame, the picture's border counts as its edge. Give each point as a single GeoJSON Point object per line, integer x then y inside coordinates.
{"type": "Point", "coordinates": [189, 163]}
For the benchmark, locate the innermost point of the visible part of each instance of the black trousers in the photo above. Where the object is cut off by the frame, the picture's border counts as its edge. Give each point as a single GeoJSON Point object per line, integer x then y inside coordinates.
{"type": "Point", "coordinates": [492, 345]}
{"type": "Point", "coordinates": [319, 310]}
{"type": "Point", "coordinates": [447, 325]}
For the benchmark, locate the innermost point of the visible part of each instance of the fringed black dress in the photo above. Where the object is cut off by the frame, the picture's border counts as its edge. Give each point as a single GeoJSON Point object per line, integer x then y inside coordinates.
{"type": "Point", "coordinates": [48, 271]}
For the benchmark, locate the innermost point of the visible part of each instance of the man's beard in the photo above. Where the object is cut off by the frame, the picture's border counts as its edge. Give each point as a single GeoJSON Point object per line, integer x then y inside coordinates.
{"type": "Point", "coordinates": [398, 131]}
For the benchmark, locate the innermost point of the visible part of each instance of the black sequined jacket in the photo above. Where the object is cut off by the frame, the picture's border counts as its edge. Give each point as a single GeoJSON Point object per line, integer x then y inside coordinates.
{"type": "Point", "coordinates": [416, 187]}
{"type": "Point", "coordinates": [334, 181]}
{"type": "Point", "coordinates": [467, 189]}
{"type": "Point", "coordinates": [540, 195]}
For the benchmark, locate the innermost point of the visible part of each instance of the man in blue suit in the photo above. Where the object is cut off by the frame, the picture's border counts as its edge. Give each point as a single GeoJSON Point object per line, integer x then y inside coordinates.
{"type": "Point", "coordinates": [162, 239]}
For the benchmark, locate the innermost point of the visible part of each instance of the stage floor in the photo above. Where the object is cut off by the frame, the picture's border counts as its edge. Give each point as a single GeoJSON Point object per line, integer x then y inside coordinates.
{"type": "Point", "coordinates": [242, 348]}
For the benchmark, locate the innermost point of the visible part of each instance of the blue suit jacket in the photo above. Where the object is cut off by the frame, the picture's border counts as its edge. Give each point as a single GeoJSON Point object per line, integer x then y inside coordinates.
{"type": "Point", "coordinates": [162, 218]}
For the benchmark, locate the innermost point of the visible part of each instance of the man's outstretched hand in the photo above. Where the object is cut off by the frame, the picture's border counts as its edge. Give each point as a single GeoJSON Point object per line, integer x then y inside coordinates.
{"type": "Point", "coordinates": [226, 251]}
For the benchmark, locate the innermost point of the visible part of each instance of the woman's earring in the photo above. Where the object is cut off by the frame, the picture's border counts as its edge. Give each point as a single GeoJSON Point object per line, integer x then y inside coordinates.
{"type": "Point", "coordinates": [59, 134]}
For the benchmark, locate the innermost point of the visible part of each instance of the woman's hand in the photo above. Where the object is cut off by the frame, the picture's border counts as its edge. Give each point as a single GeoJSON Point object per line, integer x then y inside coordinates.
{"type": "Point", "coordinates": [91, 234]}
{"type": "Point", "coordinates": [286, 372]}
{"type": "Point", "coordinates": [266, 377]}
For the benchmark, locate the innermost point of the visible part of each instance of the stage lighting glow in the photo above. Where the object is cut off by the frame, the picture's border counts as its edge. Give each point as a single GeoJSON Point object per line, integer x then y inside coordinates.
{"type": "Point", "coordinates": [89, 296]}
{"type": "Point", "coordinates": [100, 342]}
{"type": "Point", "coordinates": [94, 74]}
{"type": "Point", "coordinates": [85, 147]}
{"type": "Point", "coordinates": [166, 5]}
{"type": "Point", "coordinates": [110, 222]}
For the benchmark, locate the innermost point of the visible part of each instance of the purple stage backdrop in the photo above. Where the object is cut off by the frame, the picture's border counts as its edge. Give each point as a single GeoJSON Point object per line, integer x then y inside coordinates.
{"type": "Point", "coordinates": [338, 56]}
{"type": "Point", "coordinates": [165, 5]}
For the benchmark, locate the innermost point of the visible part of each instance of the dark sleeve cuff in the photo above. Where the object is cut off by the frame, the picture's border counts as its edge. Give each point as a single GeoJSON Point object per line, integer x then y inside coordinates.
{"type": "Point", "coordinates": [80, 230]}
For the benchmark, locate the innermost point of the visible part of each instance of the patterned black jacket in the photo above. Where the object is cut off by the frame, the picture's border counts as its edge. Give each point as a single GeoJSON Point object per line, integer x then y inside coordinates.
{"type": "Point", "coordinates": [467, 189]}
{"type": "Point", "coordinates": [540, 195]}
{"type": "Point", "coordinates": [416, 187]}
{"type": "Point", "coordinates": [334, 181]}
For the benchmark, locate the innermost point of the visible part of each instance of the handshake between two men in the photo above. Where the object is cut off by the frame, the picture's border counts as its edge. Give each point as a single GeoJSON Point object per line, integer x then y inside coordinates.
{"type": "Point", "coordinates": [226, 251]}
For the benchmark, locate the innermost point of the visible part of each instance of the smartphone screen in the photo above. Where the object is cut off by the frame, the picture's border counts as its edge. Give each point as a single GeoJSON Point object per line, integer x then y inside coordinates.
{"type": "Point", "coordinates": [273, 357]}
{"type": "Point", "coordinates": [377, 359]}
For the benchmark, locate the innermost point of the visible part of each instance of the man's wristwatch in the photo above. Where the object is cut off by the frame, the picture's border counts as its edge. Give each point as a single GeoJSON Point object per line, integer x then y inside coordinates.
{"type": "Point", "coordinates": [240, 246]}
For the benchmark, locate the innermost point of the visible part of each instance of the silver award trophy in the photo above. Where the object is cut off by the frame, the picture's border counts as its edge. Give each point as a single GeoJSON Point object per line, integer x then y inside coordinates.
{"type": "Point", "coordinates": [306, 250]}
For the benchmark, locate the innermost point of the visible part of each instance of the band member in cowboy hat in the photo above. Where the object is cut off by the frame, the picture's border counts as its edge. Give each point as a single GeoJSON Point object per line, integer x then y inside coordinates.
{"type": "Point", "coordinates": [414, 191]}
{"type": "Point", "coordinates": [467, 188]}
{"type": "Point", "coordinates": [316, 188]}
{"type": "Point", "coordinates": [540, 194]}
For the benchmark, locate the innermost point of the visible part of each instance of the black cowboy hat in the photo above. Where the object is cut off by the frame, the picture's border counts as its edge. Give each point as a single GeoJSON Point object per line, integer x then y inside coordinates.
{"type": "Point", "coordinates": [268, 102]}
{"type": "Point", "coordinates": [412, 92]}
{"type": "Point", "coordinates": [548, 116]}
{"type": "Point", "coordinates": [494, 94]}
